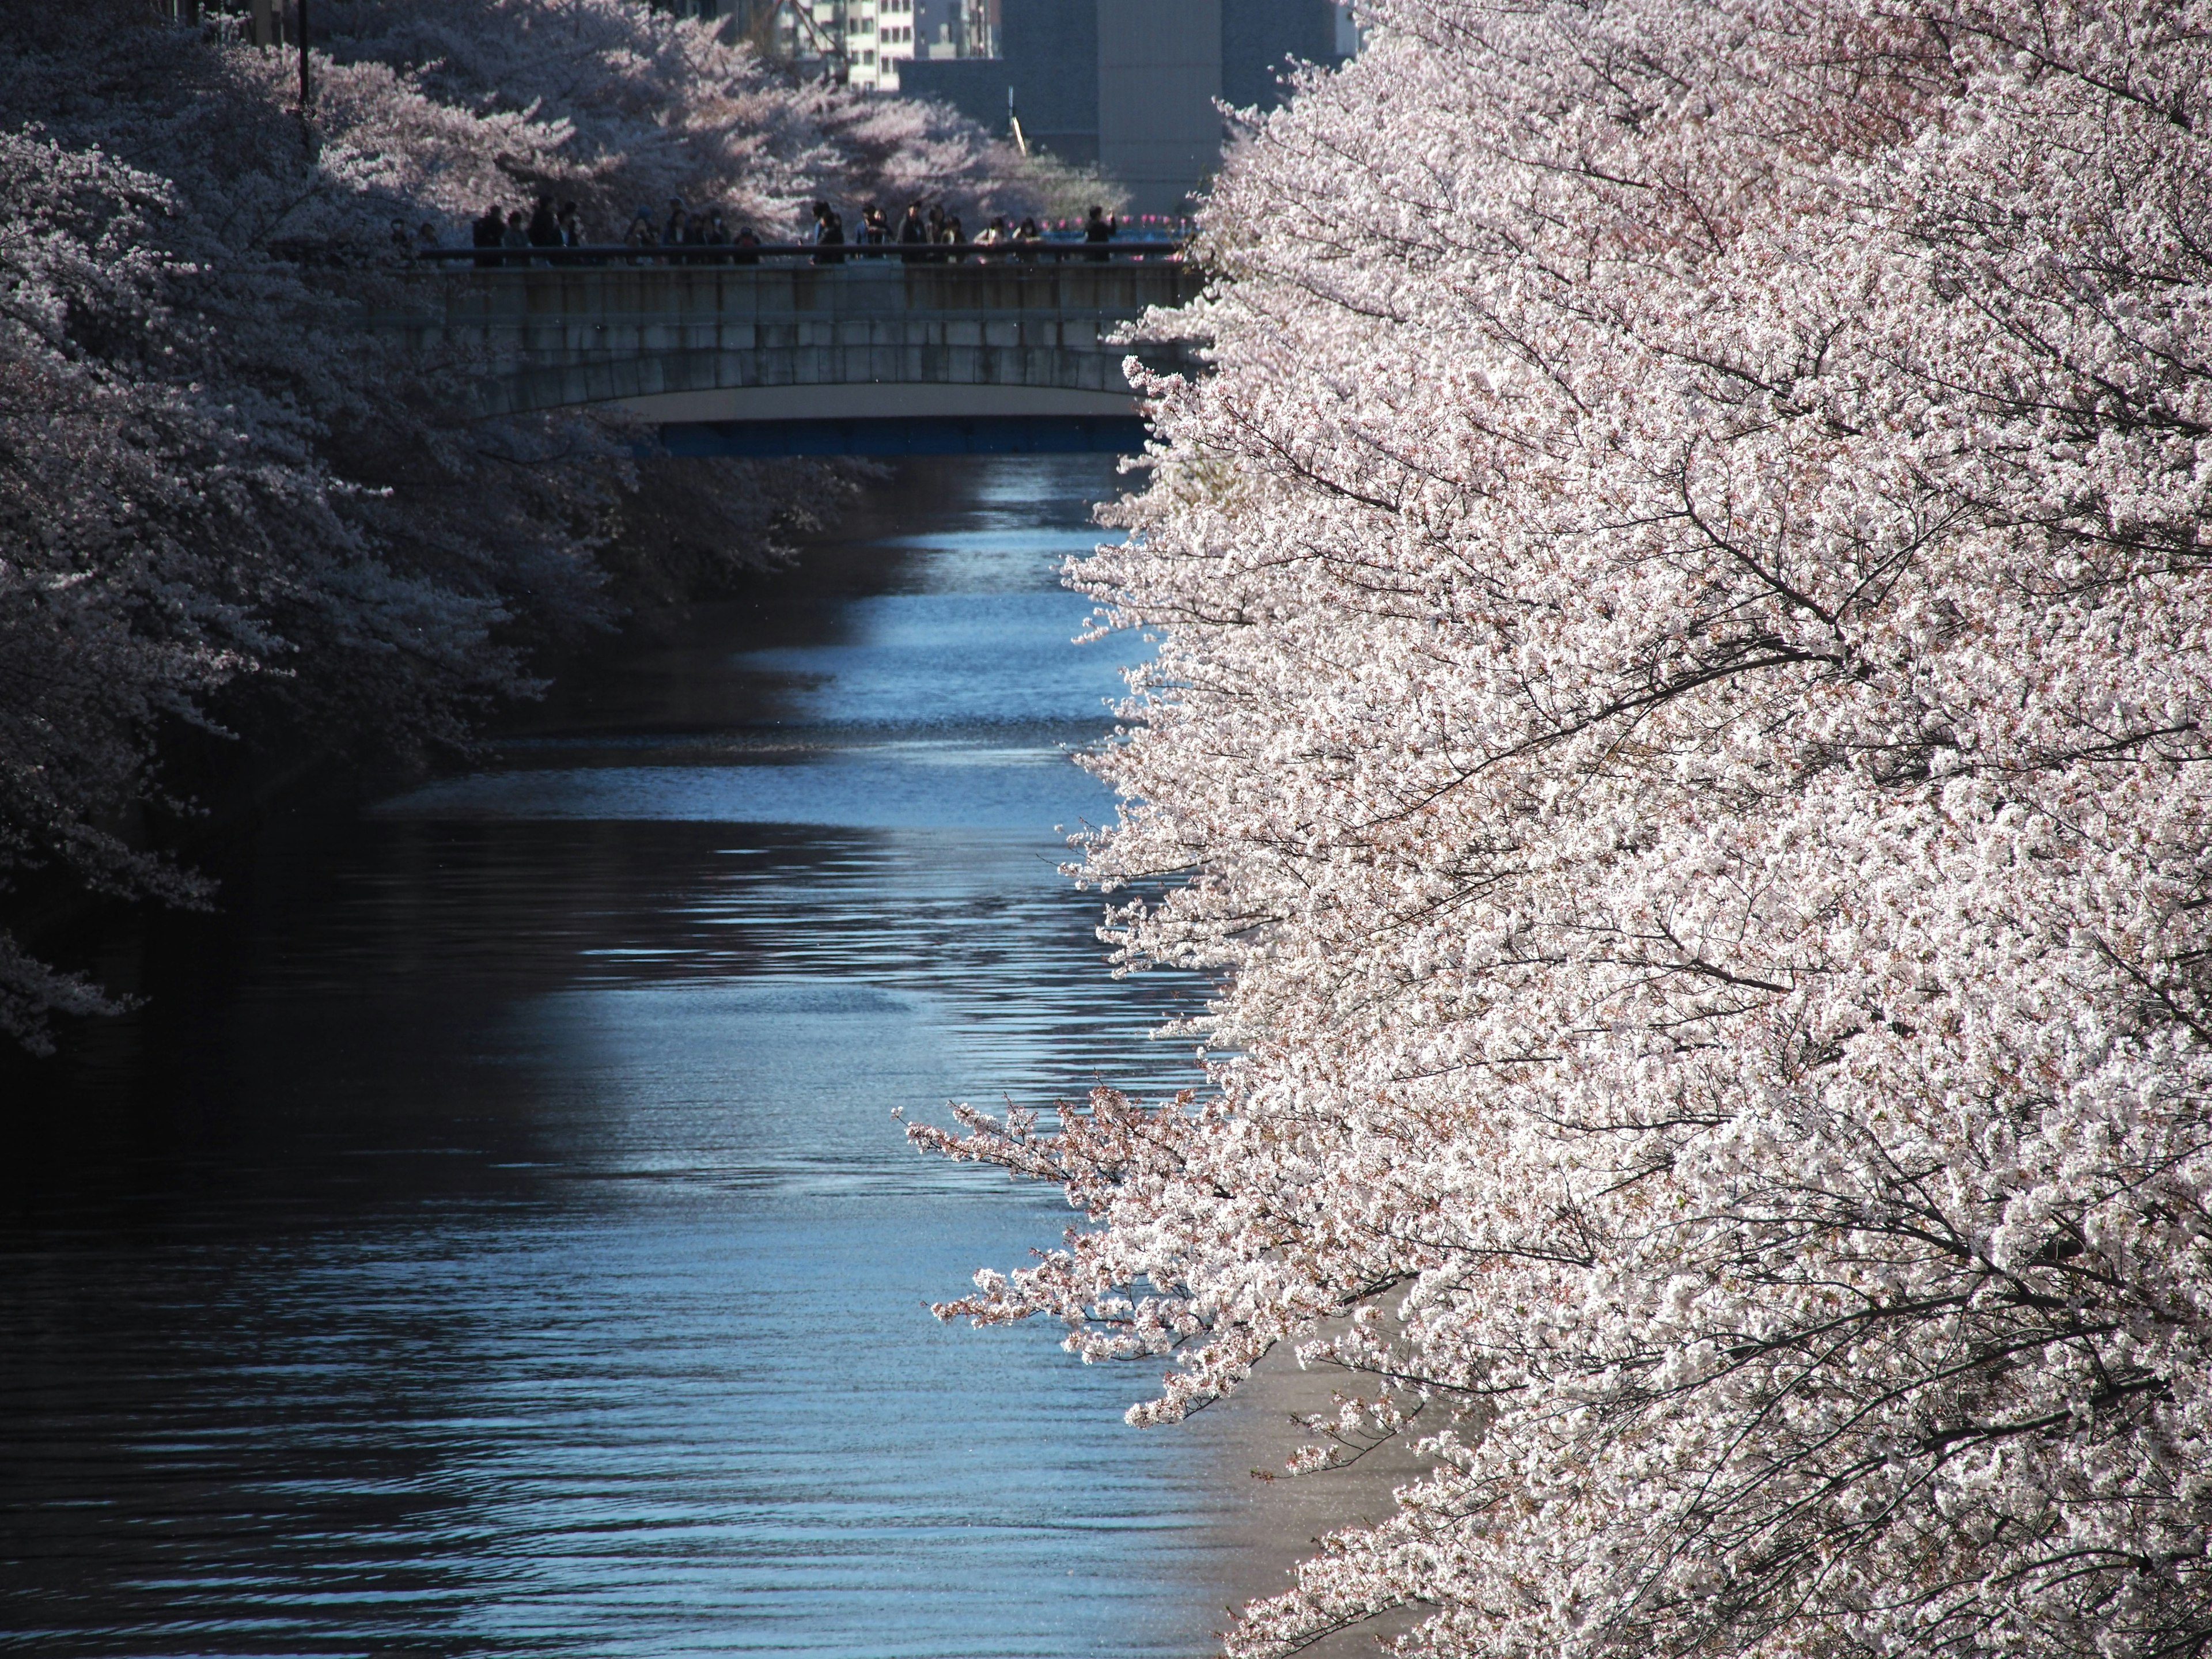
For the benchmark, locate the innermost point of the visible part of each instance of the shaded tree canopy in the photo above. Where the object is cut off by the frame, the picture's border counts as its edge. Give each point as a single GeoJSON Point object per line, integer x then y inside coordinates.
{"type": "Point", "coordinates": [218, 495]}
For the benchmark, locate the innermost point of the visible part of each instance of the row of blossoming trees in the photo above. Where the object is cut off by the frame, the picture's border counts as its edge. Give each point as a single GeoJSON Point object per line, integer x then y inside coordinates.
{"type": "Point", "coordinates": [222, 505]}
{"type": "Point", "coordinates": [1680, 725]}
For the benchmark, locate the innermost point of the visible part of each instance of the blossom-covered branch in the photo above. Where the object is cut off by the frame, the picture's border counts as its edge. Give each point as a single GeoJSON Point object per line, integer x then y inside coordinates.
{"type": "Point", "coordinates": [1679, 723]}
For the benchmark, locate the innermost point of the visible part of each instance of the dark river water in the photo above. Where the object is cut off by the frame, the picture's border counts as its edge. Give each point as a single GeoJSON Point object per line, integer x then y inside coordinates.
{"type": "Point", "coordinates": [494, 1237]}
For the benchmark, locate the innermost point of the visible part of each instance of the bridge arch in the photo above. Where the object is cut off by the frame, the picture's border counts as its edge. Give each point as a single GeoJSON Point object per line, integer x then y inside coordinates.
{"type": "Point", "coordinates": [792, 343]}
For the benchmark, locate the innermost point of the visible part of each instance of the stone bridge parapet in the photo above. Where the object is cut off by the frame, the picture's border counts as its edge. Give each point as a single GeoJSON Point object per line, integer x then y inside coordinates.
{"type": "Point", "coordinates": [876, 338]}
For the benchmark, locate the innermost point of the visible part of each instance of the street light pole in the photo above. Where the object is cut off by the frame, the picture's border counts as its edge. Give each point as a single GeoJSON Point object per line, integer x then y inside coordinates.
{"type": "Point", "coordinates": [307, 76]}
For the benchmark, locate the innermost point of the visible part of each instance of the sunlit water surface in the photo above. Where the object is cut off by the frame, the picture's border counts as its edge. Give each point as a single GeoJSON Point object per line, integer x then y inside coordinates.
{"type": "Point", "coordinates": [494, 1237]}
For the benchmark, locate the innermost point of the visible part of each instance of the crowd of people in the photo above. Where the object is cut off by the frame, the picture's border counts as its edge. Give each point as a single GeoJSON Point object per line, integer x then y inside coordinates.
{"type": "Point", "coordinates": [928, 234]}
{"type": "Point", "coordinates": [935, 235]}
{"type": "Point", "coordinates": [682, 227]}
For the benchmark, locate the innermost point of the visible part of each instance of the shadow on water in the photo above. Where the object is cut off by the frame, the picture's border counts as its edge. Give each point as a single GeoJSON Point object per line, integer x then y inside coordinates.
{"type": "Point", "coordinates": [492, 1236]}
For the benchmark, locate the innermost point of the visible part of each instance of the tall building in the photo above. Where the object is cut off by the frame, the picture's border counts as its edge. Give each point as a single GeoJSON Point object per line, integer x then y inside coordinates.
{"type": "Point", "coordinates": [1046, 70]}
{"type": "Point", "coordinates": [865, 43]}
{"type": "Point", "coordinates": [1131, 84]}
{"type": "Point", "coordinates": [743, 16]}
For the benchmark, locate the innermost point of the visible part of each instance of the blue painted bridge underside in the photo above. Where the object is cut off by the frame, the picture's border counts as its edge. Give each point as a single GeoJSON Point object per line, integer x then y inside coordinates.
{"type": "Point", "coordinates": [1045, 434]}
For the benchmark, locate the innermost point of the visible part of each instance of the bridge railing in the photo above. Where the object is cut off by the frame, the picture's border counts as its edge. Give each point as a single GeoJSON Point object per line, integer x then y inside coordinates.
{"type": "Point", "coordinates": [1133, 250]}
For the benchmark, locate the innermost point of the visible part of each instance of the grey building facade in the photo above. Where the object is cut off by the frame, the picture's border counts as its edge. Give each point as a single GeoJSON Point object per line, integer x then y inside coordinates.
{"type": "Point", "coordinates": [1048, 63]}
{"type": "Point", "coordinates": [1258, 37]}
{"type": "Point", "coordinates": [1131, 84]}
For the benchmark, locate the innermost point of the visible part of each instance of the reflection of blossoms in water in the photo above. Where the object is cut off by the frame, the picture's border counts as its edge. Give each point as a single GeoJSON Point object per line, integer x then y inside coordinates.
{"type": "Point", "coordinates": [1679, 710]}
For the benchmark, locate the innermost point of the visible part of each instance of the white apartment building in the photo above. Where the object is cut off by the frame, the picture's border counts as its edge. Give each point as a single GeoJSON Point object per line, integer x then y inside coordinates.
{"type": "Point", "coordinates": [874, 36]}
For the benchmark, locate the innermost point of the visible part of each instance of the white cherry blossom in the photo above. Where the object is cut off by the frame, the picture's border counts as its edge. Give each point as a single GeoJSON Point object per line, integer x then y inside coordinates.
{"type": "Point", "coordinates": [1679, 727]}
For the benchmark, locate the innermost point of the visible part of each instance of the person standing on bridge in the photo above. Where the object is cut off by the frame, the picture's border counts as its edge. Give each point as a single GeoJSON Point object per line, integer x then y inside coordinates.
{"type": "Point", "coordinates": [913, 231]}
{"type": "Point", "coordinates": [695, 236]}
{"type": "Point", "coordinates": [487, 231]}
{"type": "Point", "coordinates": [672, 230]}
{"type": "Point", "coordinates": [829, 233]}
{"type": "Point", "coordinates": [1097, 230]}
{"type": "Point", "coordinates": [544, 228]}
{"type": "Point", "coordinates": [515, 236]}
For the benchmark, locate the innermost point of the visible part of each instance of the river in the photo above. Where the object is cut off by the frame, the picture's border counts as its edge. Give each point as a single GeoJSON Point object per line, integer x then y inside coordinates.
{"type": "Point", "coordinates": [492, 1235]}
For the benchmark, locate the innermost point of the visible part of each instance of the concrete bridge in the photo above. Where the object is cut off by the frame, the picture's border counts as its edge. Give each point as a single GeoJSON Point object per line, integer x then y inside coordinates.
{"type": "Point", "coordinates": [873, 355]}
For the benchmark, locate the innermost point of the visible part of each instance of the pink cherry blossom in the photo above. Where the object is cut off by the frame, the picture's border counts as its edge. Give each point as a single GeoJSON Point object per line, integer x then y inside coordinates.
{"type": "Point", "coordinates": [1679, 728]}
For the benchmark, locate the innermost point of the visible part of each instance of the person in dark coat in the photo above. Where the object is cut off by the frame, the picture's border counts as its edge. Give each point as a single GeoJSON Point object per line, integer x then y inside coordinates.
{"type": "Point", "coordinates": [829, 233]}
{"type": "Point", "coordinates": [1097, 230]}
{"type": "Point", "coordinates": [488, 232]}
{"type": "Point", "coordinates": [913, 233]}
{"type": "Point", "coordinates": [544, 229]}
{"type": "Point", "coordinates": [690, 239]}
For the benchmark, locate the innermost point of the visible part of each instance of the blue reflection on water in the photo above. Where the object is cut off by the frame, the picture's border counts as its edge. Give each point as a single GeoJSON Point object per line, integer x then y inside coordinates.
{"type": "Point", "coordinates": [1014, 649]}
{"type": "Point", "coordinates": [947, 785]}
{"type": "Point", "coordinates": [524, 1257]}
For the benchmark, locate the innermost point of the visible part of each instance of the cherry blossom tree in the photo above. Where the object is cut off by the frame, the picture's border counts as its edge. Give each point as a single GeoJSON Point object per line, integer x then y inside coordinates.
{"type": "Point", "coordinates": [227, 505]}
{"type": "Point", "coordinates": [623, 107]}
{"type": "Point", "coordinates": [1679, 726]}
{"type": "Point", "coordinates": [112, 614]}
